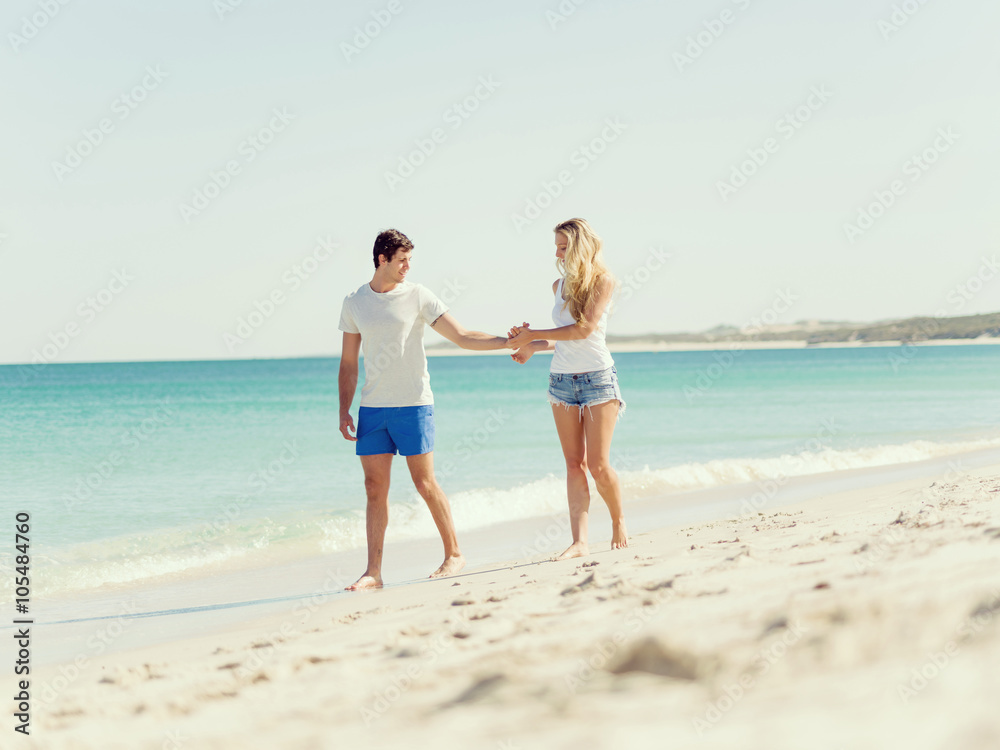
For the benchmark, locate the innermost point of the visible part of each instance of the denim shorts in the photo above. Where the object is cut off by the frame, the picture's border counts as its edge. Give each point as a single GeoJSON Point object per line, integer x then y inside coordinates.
{"type": "Point", "coordinates": [586, 389]}
{"type": "Point", "coordinates": [408, 430]}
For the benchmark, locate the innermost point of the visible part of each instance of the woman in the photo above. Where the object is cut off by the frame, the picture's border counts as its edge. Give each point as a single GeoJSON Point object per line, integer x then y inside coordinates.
{"type": "Point", "coordinates": [582, 375]}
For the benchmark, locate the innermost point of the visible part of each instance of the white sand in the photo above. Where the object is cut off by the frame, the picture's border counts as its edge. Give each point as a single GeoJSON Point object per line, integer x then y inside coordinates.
{"type": "Point", "coordinates": [864, 619]}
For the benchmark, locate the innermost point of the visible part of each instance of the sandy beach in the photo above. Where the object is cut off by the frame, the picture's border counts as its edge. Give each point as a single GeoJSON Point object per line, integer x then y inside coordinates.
{"type": "Point", "coordinates": [860, 618]}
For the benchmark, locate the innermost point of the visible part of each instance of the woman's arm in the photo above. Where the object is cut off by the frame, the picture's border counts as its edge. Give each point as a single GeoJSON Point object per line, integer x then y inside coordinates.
{"type": "Point", "coordinates": [573, 332]}
{"type": "Point", "coordinates": [525, 353]}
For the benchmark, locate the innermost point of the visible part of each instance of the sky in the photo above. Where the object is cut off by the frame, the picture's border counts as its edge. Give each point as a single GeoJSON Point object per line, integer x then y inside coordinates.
{"type": "Point", "coordinates": [204, 179]}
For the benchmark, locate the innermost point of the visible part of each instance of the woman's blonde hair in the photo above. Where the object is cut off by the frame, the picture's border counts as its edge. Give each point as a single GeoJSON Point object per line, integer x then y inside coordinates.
{"type": "Point", "coordinates": [583, 267]}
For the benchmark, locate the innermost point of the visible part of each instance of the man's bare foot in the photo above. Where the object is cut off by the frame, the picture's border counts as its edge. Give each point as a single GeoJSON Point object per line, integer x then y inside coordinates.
{"type": "Point", "coordinates": [619, 536]}
{"type": "Point", "coordinates": [449, 567]}
{"type": "Point", "coordinates": [576, 549]}
{"type": "Point", "coordinates": [366, 582]}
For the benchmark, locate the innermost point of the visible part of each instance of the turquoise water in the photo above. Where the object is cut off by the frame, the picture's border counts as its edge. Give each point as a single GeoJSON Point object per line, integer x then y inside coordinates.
{"type": "Point", "coordinates": [133, 470]}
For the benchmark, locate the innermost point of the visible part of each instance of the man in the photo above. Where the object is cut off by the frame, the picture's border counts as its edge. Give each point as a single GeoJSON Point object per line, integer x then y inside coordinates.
{"type": "Point", "coordinates": [386, 317]}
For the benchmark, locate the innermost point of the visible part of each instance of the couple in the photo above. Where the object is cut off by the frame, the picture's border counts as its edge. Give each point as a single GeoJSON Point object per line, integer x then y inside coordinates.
{"type": "Point", "coordinates": [386, 317]}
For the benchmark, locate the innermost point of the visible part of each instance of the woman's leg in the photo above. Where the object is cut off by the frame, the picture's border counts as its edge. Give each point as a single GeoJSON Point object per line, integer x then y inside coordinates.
{"type": "Point", "coordinates": [599, 431]}
{"type": "Point", "coordinates": [570, 428]}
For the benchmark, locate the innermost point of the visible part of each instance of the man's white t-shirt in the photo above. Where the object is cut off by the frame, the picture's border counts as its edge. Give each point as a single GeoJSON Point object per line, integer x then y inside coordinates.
{"type": "Point", "coordinates": [391, 325]}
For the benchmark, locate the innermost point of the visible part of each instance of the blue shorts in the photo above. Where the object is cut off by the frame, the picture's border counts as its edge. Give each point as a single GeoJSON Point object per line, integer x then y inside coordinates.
{"type": "Point", "coordinates": [586, 389]}
{"type": "Point", "coordinates": [408, 430]}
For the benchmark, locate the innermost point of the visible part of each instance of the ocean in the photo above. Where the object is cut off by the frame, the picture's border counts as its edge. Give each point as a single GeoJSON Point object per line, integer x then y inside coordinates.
{"type": "Point", "coordinates": [132, 471]}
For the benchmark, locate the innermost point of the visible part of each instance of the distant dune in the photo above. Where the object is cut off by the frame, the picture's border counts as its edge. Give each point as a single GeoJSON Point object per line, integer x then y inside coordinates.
{"type": "Point", "coordinates": [829, 332]}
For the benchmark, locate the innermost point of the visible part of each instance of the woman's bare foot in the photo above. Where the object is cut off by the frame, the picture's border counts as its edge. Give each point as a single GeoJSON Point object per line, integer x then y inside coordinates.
{"type": "Point", "coordinates": [576, 549]}
{"type": "Point", "coordinates": [366, 582]}
{"type": "Point", "coordinates": [449, 567]}
{"type": "Point", "coordinates": [619, 536]}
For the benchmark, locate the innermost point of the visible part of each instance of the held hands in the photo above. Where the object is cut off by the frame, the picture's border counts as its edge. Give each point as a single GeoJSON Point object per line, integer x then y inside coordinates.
{"type": "Point", "coordinates": [519, 336]}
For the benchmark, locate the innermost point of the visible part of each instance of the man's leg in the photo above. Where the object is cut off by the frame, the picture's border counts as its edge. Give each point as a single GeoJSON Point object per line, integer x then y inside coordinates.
{"type": "Point", "coordinates": [377, 469]}
{"type": "Point", "coordinates": [422, 472]}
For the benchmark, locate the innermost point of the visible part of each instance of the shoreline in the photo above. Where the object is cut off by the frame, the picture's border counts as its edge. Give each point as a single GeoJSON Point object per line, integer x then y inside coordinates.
{"type": "Point", "coordinates": [227, 593]}
{"type": "Point", "coordinates": [195, 586]}
{"type": "Point", "coordinates": [438, 350]}
{"type": "Point", "coordinates": [801, 624]}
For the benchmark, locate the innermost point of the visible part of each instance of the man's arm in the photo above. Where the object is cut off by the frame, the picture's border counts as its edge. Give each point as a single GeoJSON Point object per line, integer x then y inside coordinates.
{"type": "Point", "coordinates": [452, 330]}
{"type": "Point", "coordinates": [348, 381]}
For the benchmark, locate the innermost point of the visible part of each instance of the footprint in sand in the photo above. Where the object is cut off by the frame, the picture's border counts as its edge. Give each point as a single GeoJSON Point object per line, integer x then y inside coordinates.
{"type": "Point", "coordinates": [587, 583]}
{"type": "Point", "coordinates": [655, 657]}
{"type": "Point", "coordinates": [314, 660]}
{"type": "Point", "coordinates": [661, 585]}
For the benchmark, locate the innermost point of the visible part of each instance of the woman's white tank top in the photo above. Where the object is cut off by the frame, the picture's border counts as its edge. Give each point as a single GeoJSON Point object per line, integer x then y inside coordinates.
{"type": "Point", "coordinates": [582, 355]}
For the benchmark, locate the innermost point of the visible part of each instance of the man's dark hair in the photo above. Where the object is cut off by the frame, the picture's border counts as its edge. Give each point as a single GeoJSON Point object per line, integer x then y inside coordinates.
{"type": "Point", "coordinates": [388, 243]}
